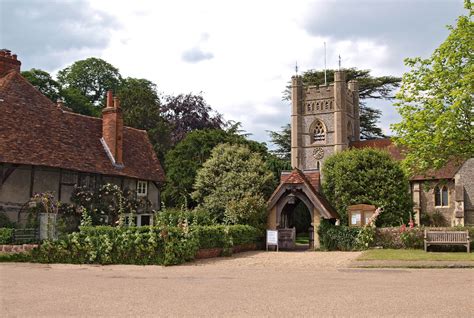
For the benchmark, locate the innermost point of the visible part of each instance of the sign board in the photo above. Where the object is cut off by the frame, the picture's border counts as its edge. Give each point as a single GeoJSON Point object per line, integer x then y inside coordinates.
{"type": "Point", "coordinates": [272, 238]}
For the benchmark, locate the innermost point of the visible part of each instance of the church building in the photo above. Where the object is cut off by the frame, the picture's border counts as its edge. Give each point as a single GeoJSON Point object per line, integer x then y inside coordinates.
{"type": "Point", "coordinates": [324, 120]}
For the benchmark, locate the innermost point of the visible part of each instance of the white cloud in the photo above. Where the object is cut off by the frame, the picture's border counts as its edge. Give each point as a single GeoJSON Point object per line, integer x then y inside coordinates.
{"type": "Point", "coordinates": [245, 51]}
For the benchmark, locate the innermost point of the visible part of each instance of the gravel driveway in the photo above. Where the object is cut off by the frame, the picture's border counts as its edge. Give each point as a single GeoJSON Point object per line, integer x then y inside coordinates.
{"type": "Point", "coordinates": [284, 284]}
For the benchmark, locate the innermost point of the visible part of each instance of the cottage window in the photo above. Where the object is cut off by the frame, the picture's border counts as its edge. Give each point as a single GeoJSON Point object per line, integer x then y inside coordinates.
{"type": "Point", "coordinates": [441, 196]}
{"type": "Point", "coordinates": [318, 133]}
{"type": "Point", "coordinates": [142, 188]}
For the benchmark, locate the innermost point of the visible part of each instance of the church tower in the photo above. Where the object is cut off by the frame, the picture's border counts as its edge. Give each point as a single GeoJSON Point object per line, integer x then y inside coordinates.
{"type": "Point", "coordinates": [324, 120]}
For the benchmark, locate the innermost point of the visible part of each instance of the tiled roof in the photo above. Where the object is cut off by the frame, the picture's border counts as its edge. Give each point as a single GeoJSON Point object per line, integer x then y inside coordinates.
{"type": "Point", "coordinates": [298, 177]}
{"type": "Point", "coordinates": [447, 172]}
{"type": "Point", "coordinates": [34, 131]}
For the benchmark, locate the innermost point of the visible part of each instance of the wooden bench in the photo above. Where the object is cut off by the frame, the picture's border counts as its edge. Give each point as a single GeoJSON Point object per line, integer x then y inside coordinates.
{"type": "Point", "coordinates": [447, 238]}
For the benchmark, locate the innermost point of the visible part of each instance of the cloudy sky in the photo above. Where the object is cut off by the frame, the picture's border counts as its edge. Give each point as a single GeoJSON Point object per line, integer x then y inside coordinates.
{"type": "Point", "coordinates": [240, 54]}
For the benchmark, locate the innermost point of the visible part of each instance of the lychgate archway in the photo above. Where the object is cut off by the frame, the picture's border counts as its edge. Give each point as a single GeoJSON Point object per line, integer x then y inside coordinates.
{"type": "Point", "coordinates": [296, 187]}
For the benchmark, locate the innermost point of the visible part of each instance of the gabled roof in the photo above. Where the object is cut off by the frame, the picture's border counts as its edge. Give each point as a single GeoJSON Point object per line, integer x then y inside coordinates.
{"type": "Point", "coordinates": [297, 177]}
{"type": "Point", "coordinates": [446, 172]}
{"type": "Point", "coordinates": [34, 131]}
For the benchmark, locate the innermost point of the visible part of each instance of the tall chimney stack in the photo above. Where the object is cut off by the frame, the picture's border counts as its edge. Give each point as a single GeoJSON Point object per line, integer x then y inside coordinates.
{"type": "Point", "coordinates": [112, 129]}
{"type": "Point", "coordinates": [8, 62]}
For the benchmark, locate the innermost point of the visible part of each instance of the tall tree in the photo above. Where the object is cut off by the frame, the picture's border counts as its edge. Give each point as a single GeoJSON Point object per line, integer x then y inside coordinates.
{"type": "Point", "coordinates": [436, 102]}
{"type": "Point", "coordinates": [282, 141]}
{"type": "Point", "coordinates": [367, 176]}
{"type": "Point", "coordinates": [43, 81]}
{"type": "Point", "coordinates": [370, 87]}
{"type": "Point", "coordinates": [92, 77]}
{"type": "Point", "coordinates": [184, 160]}
{"type": "Point", "coordinates": [189, 112]}
{"type": "Point", "coordinates": [233, 185]}
{"type": "Point", "coordinates": [141, 107]}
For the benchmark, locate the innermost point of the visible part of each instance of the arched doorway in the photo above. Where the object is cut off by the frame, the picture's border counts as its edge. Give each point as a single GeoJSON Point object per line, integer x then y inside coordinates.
{"type": "Point", "coordinates": [296, 215]}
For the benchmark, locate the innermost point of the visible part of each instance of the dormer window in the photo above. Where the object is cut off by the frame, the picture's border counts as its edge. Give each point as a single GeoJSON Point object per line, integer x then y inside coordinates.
{"type": "Point", "coordinates": [142, 188]}
{"type": "Point", "coordinates": [318, 132]}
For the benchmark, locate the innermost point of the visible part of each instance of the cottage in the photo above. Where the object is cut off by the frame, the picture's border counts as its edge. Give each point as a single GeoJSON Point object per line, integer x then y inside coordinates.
{"type": "Point", "coordinates": [44, 147]}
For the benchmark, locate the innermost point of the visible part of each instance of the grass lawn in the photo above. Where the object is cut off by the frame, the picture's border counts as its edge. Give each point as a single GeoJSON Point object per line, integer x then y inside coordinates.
{"type": "Point", "coordinates": [302, 238]}
{"type": "Point", "coordinates": [414, 255]}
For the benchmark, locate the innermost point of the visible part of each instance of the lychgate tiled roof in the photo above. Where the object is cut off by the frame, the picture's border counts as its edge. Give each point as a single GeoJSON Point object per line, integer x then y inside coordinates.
{"type": "Point", "coordinates": [34, 131]}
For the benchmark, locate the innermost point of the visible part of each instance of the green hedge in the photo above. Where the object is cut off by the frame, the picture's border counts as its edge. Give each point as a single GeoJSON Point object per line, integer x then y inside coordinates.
{"type": "Point", "coordinates": [337, 238]}
{"type": "Point", "coordinates": [113, 245]}
{"type": "Point", "coordinates": [225, 236]}
{"type": "Point", "coordinates": [141, 245]}
{"type": "Point", "coordinates": [6, 235]}
{"type": "Point", "coordinates": [172, 217]}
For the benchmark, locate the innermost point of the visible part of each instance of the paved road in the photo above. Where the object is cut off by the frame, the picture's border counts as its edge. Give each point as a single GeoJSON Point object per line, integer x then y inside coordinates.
{"type": "Point", "coordinates": [250, 284]}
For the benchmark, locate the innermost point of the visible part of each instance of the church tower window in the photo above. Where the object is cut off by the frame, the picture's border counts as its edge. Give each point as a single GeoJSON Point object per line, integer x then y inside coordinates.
{"type": "Point", "coordinates": [318, 132]}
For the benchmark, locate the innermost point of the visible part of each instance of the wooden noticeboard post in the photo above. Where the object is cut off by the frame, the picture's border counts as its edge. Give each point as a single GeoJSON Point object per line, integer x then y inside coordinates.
{"type": "Point", "coordinates": [272, 238]}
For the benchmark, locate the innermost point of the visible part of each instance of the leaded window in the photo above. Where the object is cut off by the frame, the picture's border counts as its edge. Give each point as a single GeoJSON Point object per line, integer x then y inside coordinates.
{"type": "Point", "coordinates": [319, 133]}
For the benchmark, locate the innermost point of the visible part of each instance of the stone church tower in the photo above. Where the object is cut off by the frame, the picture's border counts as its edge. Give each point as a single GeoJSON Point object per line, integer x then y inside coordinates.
{"type": "Point", "coordinates": [324, 120]}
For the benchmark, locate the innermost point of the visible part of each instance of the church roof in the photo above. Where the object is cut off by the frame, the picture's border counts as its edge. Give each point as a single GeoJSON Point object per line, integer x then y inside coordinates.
{"type": "Point", "coordinates": [34, 131]}
{"type": "Point", "coordinates": [298, 177]}
{"type": "Point", "coordinates": [446, 172]}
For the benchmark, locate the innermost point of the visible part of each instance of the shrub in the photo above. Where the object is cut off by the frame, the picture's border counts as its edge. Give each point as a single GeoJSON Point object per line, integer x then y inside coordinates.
{"type": "Point", "coordinates": [367, 176]}
{"type": "Point", "coordinates": [6, 235]}
{"type": "Point", "coordinates": [5, 221]}
{"type": "Point", "coordinates": [225, 236]}
{"type": "Point", "coordinates": [115, 245]}
{"type": "Point", "coordinates": [174, 217]}
{"type": "Point", "coordinates": [340, 238]}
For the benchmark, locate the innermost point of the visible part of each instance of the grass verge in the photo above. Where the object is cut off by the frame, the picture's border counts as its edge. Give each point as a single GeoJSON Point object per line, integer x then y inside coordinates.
{"type": "Point", "coordinates": [413, 255]}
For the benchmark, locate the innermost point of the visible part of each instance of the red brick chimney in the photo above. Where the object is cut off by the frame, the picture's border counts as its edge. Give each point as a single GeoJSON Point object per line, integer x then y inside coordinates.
{"type": "Point", "coordinates": [112, 129]}
{"type": "Point", "coordinates": [8, 62]}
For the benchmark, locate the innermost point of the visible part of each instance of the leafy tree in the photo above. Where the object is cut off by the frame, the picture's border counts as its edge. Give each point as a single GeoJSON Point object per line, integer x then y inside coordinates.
{"type": "Point", "coordinates": [233, 184]}
{"type": "Point", "coordinates": [370, 87]}
{"type": "Point", "coordinates": [43, 81]}
{"type": "Point", "coordinates": [141, 107]}
{"type": "Point", "coordinates": [189, 112]}
{"type": "Point", "coordinates": [282, 140]}
{"type": "Point", "coordinates": [78, 103]}
{"type": "Point", "coordinates": [92, 77]}
{"type": "Point", "coordinates": [367, 176]}
{"type": "Point", "coordinates": [436, 102]}
{"type": "Point", "coordinates": [184, 160]}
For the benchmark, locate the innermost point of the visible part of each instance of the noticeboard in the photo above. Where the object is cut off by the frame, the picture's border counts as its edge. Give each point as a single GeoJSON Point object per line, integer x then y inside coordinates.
{"type": "Point", "coordinates": [272, 238]}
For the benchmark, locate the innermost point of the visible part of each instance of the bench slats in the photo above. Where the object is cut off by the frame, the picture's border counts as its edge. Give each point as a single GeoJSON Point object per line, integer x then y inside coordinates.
{"type": "Point", "coordinates": [447, 238]}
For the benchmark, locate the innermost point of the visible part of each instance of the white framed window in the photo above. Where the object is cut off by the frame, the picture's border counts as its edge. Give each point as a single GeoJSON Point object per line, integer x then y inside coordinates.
{"type": "Point", "coordinates": [142, 188]}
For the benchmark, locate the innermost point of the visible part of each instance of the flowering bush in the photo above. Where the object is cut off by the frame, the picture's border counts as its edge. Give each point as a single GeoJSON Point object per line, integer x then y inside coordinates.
{"type": "Point", "coordinates": [366, 236]}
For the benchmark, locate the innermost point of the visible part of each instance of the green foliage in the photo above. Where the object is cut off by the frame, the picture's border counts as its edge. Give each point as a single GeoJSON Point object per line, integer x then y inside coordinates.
{"type": "Point", "coordinates": [93, 77]}
{"type": "Point", "coordinates": [116, 245]}
{"type": "Point", "coordinates": [412, 238]}
{"type": "Point", "coordinates": [6, 235]}
{"type": "Point", "coordinates": [338, 238]}
{"type": "Point", "coordinates": [174, 217]}
{"type": "Point", "coordinates": [282, 140]}
{"type": "Point", "coordinates": [367, 176]}
{"type": "Point", "coordinates": [105, 204]}
{"type": "Point", "coordinates": [141, 107]}
{"type": "Point", "coordinates": [366, 237]}
{"type": "Point", "coordinates": [5, 220]}
{"type": "Point", "coordinates": [370, 87]}
{"type": "Point", "coordinates": [233, 184]}
{"type": "Point", "coordinates": [43, 81]}
{"type": "Point", "coordinates": [436, 103]}
{"type": "Point", "coordinates": [183, 162]}
{"type": "Point", "coordinates": [225, 236]}
{"type": "Point", "coordinates": [78, 103]}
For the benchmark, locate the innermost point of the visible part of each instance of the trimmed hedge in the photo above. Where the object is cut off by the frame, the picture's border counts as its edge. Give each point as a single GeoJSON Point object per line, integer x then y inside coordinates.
{"type": "Point", "coordinates": [6, 235]}
{"type": "Point", "coordinates": [141, 245]}
{"type": "Point", "coordinates": [225, 236]}
{"type": "Point", "coordinates": [337, 238]}
{"type": "Point", "coordinates": [113, 245]}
